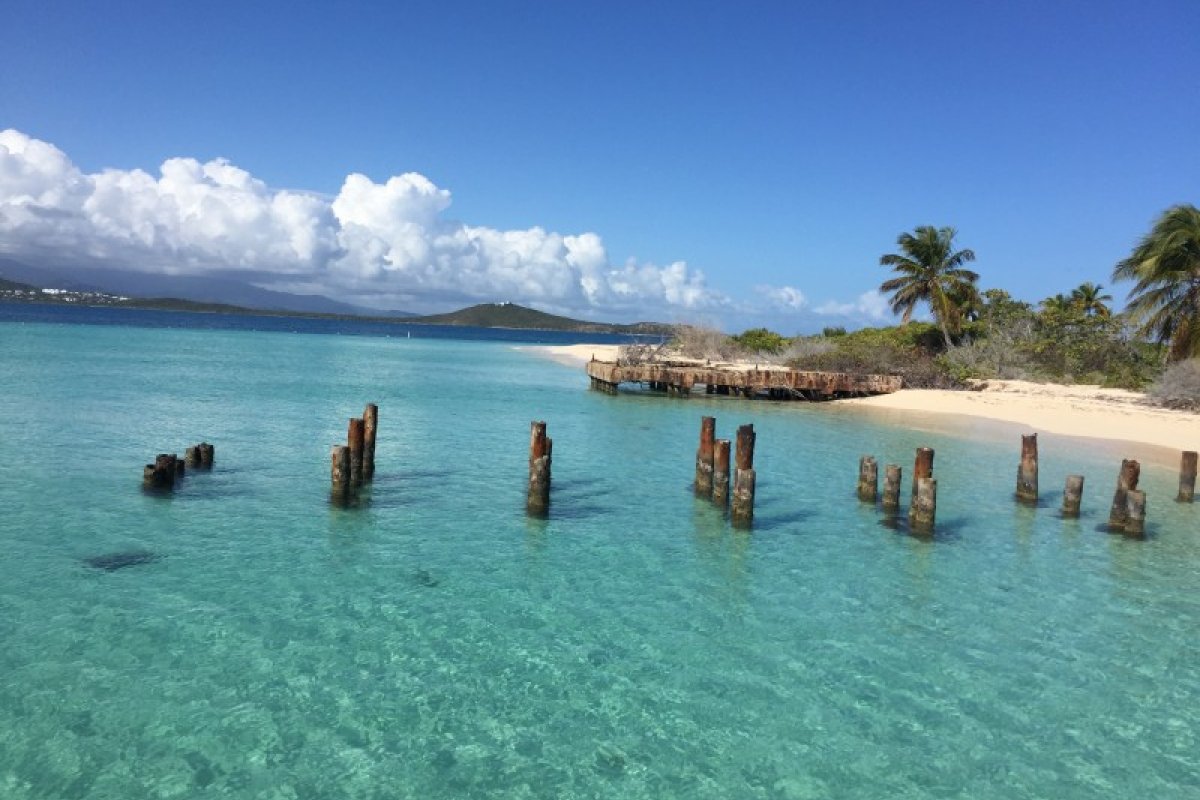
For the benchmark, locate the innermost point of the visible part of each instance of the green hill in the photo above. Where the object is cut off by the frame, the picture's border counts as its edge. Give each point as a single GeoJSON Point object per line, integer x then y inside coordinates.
{"type": "Point", "coordinates": [510, 315]}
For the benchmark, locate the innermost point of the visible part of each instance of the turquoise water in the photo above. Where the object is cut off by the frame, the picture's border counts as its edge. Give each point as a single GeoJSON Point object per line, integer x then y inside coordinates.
{"type": "Point", "coordinates": [433, 643]}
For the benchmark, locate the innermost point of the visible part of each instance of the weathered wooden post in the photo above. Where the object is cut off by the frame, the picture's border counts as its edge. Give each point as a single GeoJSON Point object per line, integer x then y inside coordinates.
{"type": "Point", "coordinates": [354, 440]}
{"type": "Point", "coordinates": [370, 423]}
{"type": "Point", "coordinates": [868, 479]}
{"type": "Point", "coordinates": [744, 478]}
{"type": "Point", "coordinates": [1127, 479]}
{"type": "Point", "coordinates": [1027, 471]}
{"type": "Point", "coordinates": [192, 456]}
{"type": "Point", "coordinates": [160, 474]}
{"type": "Point", "coordinates": [1135, 513]}
{"type": "Point", "coordinates": [891, 489]}
{"type": "Point", "coordinates": [339, 474]}
{"type": "Point", "coordinates": [207, 455]}
{"type": "Point", "coordinates": [742, 513]}
{"type": "Point", "coordinates": [923, 513]}
{"type": "Point", "coordinates": [922, 468]}
{"type": "Point", "coordinates": [179, 468]}
{"type": "Point", "coordinates": [1187, 477]}
{"type": "Point", "coordinates": [704, 457]}
{"type": "Point", "coordinates": [537, 500]}
{"type": "Point", "coordinates": [1072, 496]}
{"type": "Point", "coordinates": [720, 488]}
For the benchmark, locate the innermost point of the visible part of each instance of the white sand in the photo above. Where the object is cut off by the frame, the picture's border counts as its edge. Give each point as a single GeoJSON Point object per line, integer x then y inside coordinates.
{"type": "Point", "coordinates": [1091, 412]}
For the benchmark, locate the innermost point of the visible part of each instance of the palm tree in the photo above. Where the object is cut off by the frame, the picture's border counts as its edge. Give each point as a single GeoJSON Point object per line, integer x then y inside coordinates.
{"type": "Point", "coordinates": [1165, 300]}
{"type": "Point", "coordinates": [931, 271]}
{"type": "Point", "coordinates": [1060, 302]}
{"type": "Point", "coordinates": [1089, 299]}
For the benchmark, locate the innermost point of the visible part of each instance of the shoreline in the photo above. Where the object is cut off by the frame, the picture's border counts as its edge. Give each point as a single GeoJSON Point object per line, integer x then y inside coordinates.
{"type": "Point", "coordinates": [1088, 412]}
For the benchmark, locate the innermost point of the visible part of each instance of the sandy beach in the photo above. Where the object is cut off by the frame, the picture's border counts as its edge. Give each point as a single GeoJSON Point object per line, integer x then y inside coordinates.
{"type": "Point", "coordinates": [1090, 412]}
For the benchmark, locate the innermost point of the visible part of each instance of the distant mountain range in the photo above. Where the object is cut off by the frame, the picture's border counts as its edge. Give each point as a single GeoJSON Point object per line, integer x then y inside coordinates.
{"type": "Point", "coordinates": [485, 315]}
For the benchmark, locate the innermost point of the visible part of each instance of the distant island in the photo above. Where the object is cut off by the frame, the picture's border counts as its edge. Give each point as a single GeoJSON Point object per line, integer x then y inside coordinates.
{"type": "Point", "coordinates": [484, 315]}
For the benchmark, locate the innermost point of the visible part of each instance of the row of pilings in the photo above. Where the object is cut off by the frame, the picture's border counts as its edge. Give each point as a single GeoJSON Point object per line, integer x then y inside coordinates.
{"type": "Point", "coordinates": [168, 469]}
{"type": "Point", "coordinates": [712, 471]}
{"type": "Point", "coordinates": [352, 464]}
{"type": "Point", "coordinates": [1127, 514]}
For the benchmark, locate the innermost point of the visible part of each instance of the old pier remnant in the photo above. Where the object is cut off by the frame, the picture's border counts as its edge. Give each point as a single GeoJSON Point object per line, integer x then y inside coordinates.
{"type": "Point", "coordinates": [169, 470]}
{"type": "Point", "coordinates": [208, 455]}
{"type": "Point", "coordinates": [868, 479]}
{"type": "Point", "coordinates": [1187, 477]}
{"type": "Point", "coordinates": [1027, 471]}
{"type": "Point", "coordinates": [1135, 513]}
{"type": "Point", "coordinates": [1127, 479]}
{"type": "Point", "coordinates": [744, 479]}
{"type": "Point", "coordinates": [541, 448]}
{"type": "Point", "coordinates": [370, 423]}
{"type": "Point", "coordinates": [678, 378]}
{"type": "Point", "coordinates": [1072, 496]}
{"type": "Point", "coordinates": [704, 457]}
{"type": "Point", "coordinates": [339, 474]}
{"type": "Point", "coordinates": [354, 440]}
{"type": "Point", "coordinates": [922, 468]}
{"type": "Point", "coordinates": [720, 478]}
{"type": "Point", "coordinates": [891, 489]}
{"type": "Point", "coordinates": [923, 512]}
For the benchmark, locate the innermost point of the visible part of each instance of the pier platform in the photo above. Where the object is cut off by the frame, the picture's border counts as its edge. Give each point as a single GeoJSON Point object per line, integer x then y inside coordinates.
{"type": "Point", "coordinates": [776, 383]}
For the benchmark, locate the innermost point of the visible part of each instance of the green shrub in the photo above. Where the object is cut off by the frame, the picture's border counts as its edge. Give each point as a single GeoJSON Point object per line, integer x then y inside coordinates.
{"type": "Point", "coordinates": [760, 340]}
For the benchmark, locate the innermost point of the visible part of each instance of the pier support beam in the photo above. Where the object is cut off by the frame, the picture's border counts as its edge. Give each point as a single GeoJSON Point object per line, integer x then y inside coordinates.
{"type": "Point", "coordinates": [1027, 471]}
{"type": "Point", "coordinates": [1127, 479]}
{"type": "Point", "coordinates": [370, 424]}
{"type": "Point", "coordinates": [208, 455]}
{"type": "Point", "coordinates": [354, 440]}
{"type": "Point", "coordinates": [868, 479]}
{"type": "Point", "coordinates": [339, 474]}
{"type": "Point", "coordinates": [1187, 477]}
{"type": "Point", "coordinates": [1072, 496]}
{"type": "Point", "coordinates": [537, 499]}
{"type": "Point", "coordinates": [704, 457]}
{"type": "Point", "coordinates": [922, 468]}
{"type": "Point", "coordinates": [742, 513]}
{"type": "Point", "coordinates": [720, 487]}
{"type": "Point", "coordinates": [891, 489]}
{"type": "Point", "coordinates": [923, 513]}
{"type": "Point", "coordinates": [1135, 513]}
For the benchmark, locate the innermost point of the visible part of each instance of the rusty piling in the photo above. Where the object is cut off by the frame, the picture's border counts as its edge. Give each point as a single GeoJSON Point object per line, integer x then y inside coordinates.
{"type": "Point", "coordinates": [704, 457]}
{"type": "Point", "coordinates": [1135, 513]}
{"type": "Point", "coordinates": [720, 486]}
{"type": "Point", "coordinates": [922, 468]}
{"type": "Point", "coordinates": [192, 456]}
{"type": "Point", "coordinates": [537, 500]}
{"type": "Point", "coordinates": [923, 513]}
{"type": "Point", "coordinates": [370, 423]}
{"type": "Point", "coordinates": [742, 513]}
{"type": "Point", "coordinates": [1072, 496]}
{"type": "Point", "coordinates": [891, 489]}
{"type": "Point", "coordinates": [339, 474]}
{"type": "Point", "coordinates": [868, 479]}
{"type": "Point", "coordinates": [1127, 479]}
{"type": "Point", "coordinates": [354, 440]}
{"type": "Point", "coordinates": [1027, 470]}
{"type": "Point", "coordinates": [208, 455]}
{"type": "Point", "coordinates": [1187, 477]}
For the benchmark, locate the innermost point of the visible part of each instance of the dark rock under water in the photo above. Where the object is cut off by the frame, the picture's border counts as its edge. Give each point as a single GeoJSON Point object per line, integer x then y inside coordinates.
{"type": "Point", "coordinates": [110, 562]}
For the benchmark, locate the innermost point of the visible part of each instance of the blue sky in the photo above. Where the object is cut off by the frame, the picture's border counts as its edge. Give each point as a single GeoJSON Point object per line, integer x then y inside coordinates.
{"type": "Point", "coordinates": [766, 146]}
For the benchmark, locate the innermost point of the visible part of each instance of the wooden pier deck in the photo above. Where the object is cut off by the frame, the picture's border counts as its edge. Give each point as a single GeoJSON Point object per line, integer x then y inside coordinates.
{"type": "Point", "coordinates": [679, 378]}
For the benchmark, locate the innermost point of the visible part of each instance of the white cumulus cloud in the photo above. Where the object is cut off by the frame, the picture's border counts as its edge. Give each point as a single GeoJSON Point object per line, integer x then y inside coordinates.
{"type": "Point", "coordinates": [785, 298]}
{"type": "Point", "coordinates": [373, 243]}
{"type": "Point", "coordinates": [870, 306]}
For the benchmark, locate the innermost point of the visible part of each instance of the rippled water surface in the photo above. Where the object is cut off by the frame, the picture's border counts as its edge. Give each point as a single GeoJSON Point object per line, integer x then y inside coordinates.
{"type": "Point", "coordinates": [434, 643]}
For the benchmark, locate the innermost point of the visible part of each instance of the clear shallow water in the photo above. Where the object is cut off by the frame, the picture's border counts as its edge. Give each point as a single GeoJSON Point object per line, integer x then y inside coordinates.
{"type": "Point", "coordinates": [434, 643]}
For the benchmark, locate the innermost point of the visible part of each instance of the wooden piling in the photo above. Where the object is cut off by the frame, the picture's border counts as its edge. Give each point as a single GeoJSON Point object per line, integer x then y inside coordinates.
{"type": "Point", "coordinates": [1072, 496]}
{"type": "Point", "coordinates": [370, 423]}
{"type": "Point", "coordinates": [923, 513]}
{"type": "Point", "coordinates": [868, 479]}
{"type": "Point", "coordinates": [922, 468]}
{"type": "Point", "coordinates": [354, 440]}
{"type": "Point", "coordinates": [1135, 513]}
{"type": "Point", "coordinates": [1127, 479]}
{"type": "Point", "coordinates": [537, 500]}
{"type": "Point", "coordinates": [891, 488]}
{"type": "Point", "coordinates": [339, 473]}
{"type": "Point", "coordinates": [161, 472]}
{"type": "Point", "coordinates": [742, 513]}
{"type": "Point", "coordinates": [207, 455]}
{"type": "Point", "coordinates": [179, 468]}
{"type": "Point", "coordinates": [1187, 477]}
{"type": "Point", "coordinates": [1027, 470]}
{"type": "Point", "coordinates": [704, 457]}
{"type": "Point", "coordinates": [720, 487]}
{"type": "Point", "coordinates": [192, 456]}
{"type": "Point", "coordinates": [744, 457]}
